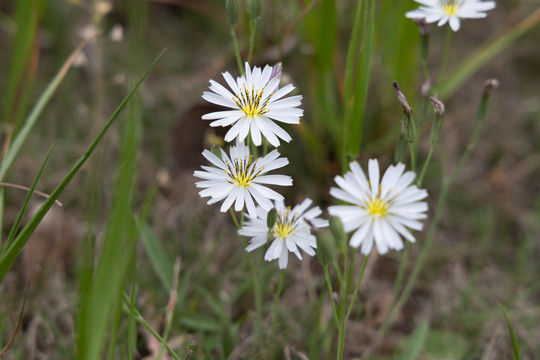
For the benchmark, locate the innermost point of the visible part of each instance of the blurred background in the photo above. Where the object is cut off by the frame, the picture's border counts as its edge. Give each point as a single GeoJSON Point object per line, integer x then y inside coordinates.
{"type": "Point", "coordinates": [487, 245]}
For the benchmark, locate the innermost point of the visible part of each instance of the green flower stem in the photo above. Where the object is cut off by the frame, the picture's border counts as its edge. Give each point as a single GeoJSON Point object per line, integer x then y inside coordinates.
{"type": "Point", "coordinates": [343, 291]}
{"type": "Point", "coordinates": [331, 293]}
{"type": "Point", "coordinates": [234, 218]}
{"type": "Point", "coordinates": [413, 162]}
{"type": "Point", "coordinates": [400, 274]}
{"type": "Point", "coordinates": [358, 281]}
{"type": "Point", "coordinates": [237, 52]}
{"type": "Point", "coordinates": [276, 300]}
{"type": "Point", "coordinates": [426, 164]}
{"type": "Point", "coordinates": [252, 31]}
{"type": "Point", "coordinates": [130, 308]}
{"type": "Point", "coordinates": [445, 54]}
{"type": "Point", "coordinates": [256, 291]}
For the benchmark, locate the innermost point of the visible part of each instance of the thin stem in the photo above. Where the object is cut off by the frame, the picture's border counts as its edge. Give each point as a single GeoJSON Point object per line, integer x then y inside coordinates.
{"type": "Point", "coordinates": [252, 31]}
{"type": "Point", "coordinates": [344, 286]}
{"type": "Point", "coordinates": [237, 52]}
{"type": "Point", "coordinates": [358, 281]}
{"type": "Point", "coordinates": [238, 226]}
{"type": "Point", "coordinates": [401, 274]}
{"type": "Point", "coordinates": [256, 292]}
{"type": "Point", "coordinates": [411, 150]}
{"type": "Point", "coordinates": [331, 293]}
{"type": "Point", "coordinates": [424, 168]}
{"type": "Point", "coordinates": [276, 300]}
{"type": "Point", "coordinates": [445, 54]}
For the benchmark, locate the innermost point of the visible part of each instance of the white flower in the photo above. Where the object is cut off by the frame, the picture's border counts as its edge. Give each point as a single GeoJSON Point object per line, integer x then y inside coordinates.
{"type": "Point", "coordinates": [238, 178]}
{"type": "Point", "coordinates": [450, 11]}
{"type": "Point", "coordinates": [291, 231]}
{"type": "Point", "coordinates": [380, 212]}
{"type": "Point", "coordinates": [255, 102]}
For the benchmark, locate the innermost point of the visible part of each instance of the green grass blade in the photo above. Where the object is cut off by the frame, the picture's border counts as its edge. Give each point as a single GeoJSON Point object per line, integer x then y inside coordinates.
{"type": "Point", "coordinates": [415, 343]}
{"type": "Point", "coordinates": [362, 81]}
{"type": "Point", "coordinates": [515, 345]}
{"type": "Point", "coordinates": [485, 53]}
{"type": "Point", "coordinates": [161, 262]}
{"type": "Point", "coordinates": [20, 79]}
{"type": "Point", "coordinates": [348, 81]}
{"type": "Point", "coordinates": [7, 259]}
{"type": "Point", "coordinates": [22, 135]}
{"type": "Point", "coordinates": [24, 206]}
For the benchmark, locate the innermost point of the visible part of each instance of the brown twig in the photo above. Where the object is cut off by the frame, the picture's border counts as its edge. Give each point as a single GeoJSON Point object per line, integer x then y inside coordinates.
{"type": "Point", "coordinates": [35, 270]}
{"type": "Point", "coordinates": [293, 26]}
{"type": "Point", "coordinates": [21, 187]}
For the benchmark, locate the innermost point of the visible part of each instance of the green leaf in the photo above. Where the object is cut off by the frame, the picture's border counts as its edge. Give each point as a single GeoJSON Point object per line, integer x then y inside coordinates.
{"type": "Point", "coordinates": [415, 343]}
{"type": "Point", "coordinates": [515, 345]}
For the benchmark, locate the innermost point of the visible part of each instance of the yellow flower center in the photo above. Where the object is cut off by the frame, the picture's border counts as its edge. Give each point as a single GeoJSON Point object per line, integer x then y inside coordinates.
{"type": "Point", "coordinates": [378, 207]}
{"type": "Point", "coordinates": [451, 7]}
{"type": "Point", "coordinates": [250, 102]}
{"type": "Point", "coordinates": [244, 171]}
{"type": "Point", "coordinates": [285, 224]}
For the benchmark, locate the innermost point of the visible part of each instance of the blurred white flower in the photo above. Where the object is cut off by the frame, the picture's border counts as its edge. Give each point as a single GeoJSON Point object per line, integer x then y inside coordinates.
{"type": "Point", "coordinates": [238, 179]}
{"type": "Point", "coordinates": [379, 212]}
{"type": "Point", "coordinates": [291, 231]}
{"type": "Point", "coordinates": [450, 11]}
{"type": "Point", "coordinates": [255, 102]}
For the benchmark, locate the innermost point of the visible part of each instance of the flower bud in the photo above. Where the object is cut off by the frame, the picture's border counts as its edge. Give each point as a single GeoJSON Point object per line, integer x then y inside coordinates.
{"type": "Point", "coordinates": [326, 249]}
{"type": "Point", "coordinates": [216, 150]}
{"type": "Point", "coordinates": [402, 100]}
{"type": "Point", "coordinates": [231, 6]}
{"type": "Point", "coordinates": [271, 219]}
{"type": "Point", "coordinates": [408, 128]}
{"type": "Point", "coordinates": [254, 9]}
{"type": "Point", "coordinates": [338, 232]}
{"type": "Point", "coordinates": [436, 128]}
{"type": "Point", "coordinates": [276, 71]}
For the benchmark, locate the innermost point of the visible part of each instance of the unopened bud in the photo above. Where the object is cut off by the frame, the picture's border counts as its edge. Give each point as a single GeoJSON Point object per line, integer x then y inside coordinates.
{"type": "Point", "coordinates": [271, 219]}
{"type": "Point", "coordinates": [437, 105]}
{"type": "Point", "coordinates": [491, 84]}
{"type": "Point", "coordinates": [402, 99]}
{"type": "Point", "coordinates": [216, 150]}
{"type": "Point", "coordinates": [436, 128]}
{"type": "Point", "coordinates": [326, 249]}
{"type": "Point", "coordinates": [423, 26]}
{"type": "Point", "coordinates": [426, 88]}
{"type": "Point", "coordinates": [338, 232]}
{"type": "Point", "coordinates": [254, 9]}
{"type": "Point", "coordinates": [231, 6]}
{"type": "Point", "coordinates": [276, 71]}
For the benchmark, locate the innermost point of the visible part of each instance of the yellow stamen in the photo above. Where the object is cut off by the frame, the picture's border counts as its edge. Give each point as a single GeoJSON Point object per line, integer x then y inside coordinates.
{"type": "Point", "coordinates": [378, 207]}
{"type": "Point", "coordinates": [250, 102]}
{"type": "Point", "coordinates": [451, 7]}
{"type": "Point", "coordinates": [244, 171]}
{"type": "Point", "coordinates": [285, 224]}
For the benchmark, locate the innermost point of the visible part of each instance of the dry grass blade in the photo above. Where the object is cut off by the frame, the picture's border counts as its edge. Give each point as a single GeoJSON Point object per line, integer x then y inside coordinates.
{"type": "Point", "coordinates": [36, 269]}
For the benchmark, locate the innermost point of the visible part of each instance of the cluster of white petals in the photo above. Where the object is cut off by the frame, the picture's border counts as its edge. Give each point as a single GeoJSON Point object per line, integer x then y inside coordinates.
{"type": "Point", "coordinates": [240, 178]}
{"type": "Point", "coordinates": [381, 211]}
{"type": "Point", "coordinates": [450, 11]}
{"type": "Point", "coordinates": [291, 231]}
{"type": "Point", "coordinates": [255, 102]}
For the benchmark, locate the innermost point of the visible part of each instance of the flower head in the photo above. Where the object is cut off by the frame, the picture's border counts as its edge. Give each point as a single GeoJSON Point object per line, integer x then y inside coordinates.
{"type": "Point", "coordinates": [380, 212]}
{"type": "Point", "coordinates": [255, 102]}
{"type": "Point", "coordinates": [238, 179]}
{"type": "Point", "coordinates": [450, 11]}
{"type": "Point", "coordinates": [291, 231]}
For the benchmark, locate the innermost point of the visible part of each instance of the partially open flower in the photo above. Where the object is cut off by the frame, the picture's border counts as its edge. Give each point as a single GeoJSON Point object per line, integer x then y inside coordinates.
{"type": "Point", "coordinates": [450, 11]}
{"type": "Point", "coordinates": [291, 231]}
{"type": "Point", "coordinates": [381, 211]}
{"type": "Point", "coordinates": [255, 103]}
